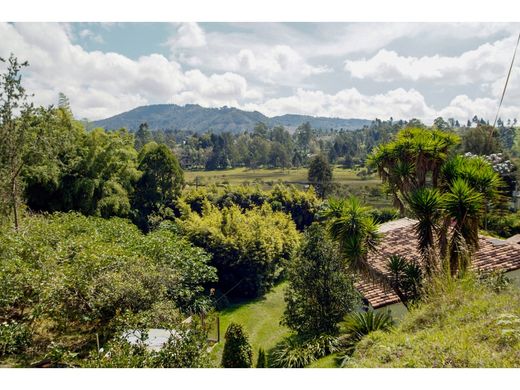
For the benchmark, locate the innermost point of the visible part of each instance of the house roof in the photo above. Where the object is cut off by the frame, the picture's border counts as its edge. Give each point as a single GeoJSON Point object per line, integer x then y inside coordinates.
{"type": "Point", "coordinates": [399, 239]}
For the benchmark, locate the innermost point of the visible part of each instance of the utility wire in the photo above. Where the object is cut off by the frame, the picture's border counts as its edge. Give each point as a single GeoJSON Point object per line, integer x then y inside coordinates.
{"type": "Point", "coordinates": [505, 86]}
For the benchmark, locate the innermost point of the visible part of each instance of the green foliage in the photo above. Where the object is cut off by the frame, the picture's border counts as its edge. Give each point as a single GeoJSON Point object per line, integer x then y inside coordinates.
{"type": "Point", "coordinates": [93, 172]}
{"type": "Point", "coordinates": [384, 214]}
{"type": "Point", "coordinates": [297, 352]}
{"type": "Point", "coordinates": [237, 350]}
{"type": "Point", "coordinates": [77, 273]}
{"type": "Point", "coordinates": [320, 175]}
{"type": "Point", "coordinates": [249, 248]}
{"type": "Point", "coordinates": [320, 290]}
{"type": "Point", "coordinates": [159, 186]}
{"type": "Point", "coordinates": [406, 278]}
{"type": "Point", "coordinates": [356, 326]}
{"type": "Point", "coordinates": [481, 140]}
{"type": "Point", "coordinates": [405, 163]}
{"type": "Point", "coordinates": [261, 361]}
{"type": "Point", "coordinates": [14, 337]}
{"type": "Point", "coordinates": [186, 347]}
{"type": "Point", "coordinates": [353, 227]}
{"type": "Point", "coordinates": [301, 205]}
{"type": "Point", "coordinates": [461, 323]}
{"type": "Point", "coordinates": [359, 324]}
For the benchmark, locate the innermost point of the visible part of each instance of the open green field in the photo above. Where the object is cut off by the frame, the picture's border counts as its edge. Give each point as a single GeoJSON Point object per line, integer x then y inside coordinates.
{"type": "Point", "coordinates": [269, 177]}
{"type": "Point", "coordinates": [346, 181]}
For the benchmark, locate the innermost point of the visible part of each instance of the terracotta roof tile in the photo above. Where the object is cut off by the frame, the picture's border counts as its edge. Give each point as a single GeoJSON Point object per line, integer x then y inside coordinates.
{"type": "Point", "coordinates": [399, 239]}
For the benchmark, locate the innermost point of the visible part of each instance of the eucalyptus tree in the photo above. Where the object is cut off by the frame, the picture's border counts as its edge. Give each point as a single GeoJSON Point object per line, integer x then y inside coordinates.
{"type": "Point", "coordinates": [24, 135]}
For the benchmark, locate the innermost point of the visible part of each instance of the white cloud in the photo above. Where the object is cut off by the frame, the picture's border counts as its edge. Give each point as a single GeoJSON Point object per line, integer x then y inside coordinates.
{"type": "Point", "coordinates": [482, 65]}
{"type": "Point", "coordinates": [463, 108]}
{"type": "Point", "coordinates": [349, 103]}
{"type": "Point", "coordinates": [102, 84]}
{"type": "Point", "coordinates": [188, 35]}
{"type": "Point", "coordinates": [89, 34]}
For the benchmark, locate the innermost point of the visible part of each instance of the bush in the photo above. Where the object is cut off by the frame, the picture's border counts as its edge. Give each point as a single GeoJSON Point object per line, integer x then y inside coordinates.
{"type": "Point", "coordinates": [385, 214]}
{"type": "Point", "coordinates": [249, 247]}
{"type": "Point", "coordinates": [73, 274]}
{"type": "Point", "coordinates": [298, 352]}
{"type": "Point", "coordinates": [358, 325]}
{"type": "Point", "coordinates": [237, 350]}
{"type": "Point", "coordinates": [14, 337]}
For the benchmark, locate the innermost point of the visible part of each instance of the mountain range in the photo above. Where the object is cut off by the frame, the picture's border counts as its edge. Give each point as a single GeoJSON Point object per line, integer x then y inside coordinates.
{"type": "Point", "coordinates": [201, 119]}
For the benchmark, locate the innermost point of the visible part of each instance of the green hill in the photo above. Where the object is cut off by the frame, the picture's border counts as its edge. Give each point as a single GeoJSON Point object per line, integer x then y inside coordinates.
{"type": "Point", "coordinates": [200, 119]}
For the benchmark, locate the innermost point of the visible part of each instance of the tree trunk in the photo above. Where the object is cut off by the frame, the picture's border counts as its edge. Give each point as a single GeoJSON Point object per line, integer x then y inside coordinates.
{"type": "Point", "coordinates": [15, 203]}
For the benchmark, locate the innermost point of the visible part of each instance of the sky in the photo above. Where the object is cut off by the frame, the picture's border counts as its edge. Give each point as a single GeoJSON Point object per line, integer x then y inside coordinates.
{"type": "Point", "coordinates": [348, 70]}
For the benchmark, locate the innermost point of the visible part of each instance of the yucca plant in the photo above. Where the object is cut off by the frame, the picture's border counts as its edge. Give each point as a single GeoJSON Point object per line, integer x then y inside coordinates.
{"type": "Point", "coordinates": [356, 326]}
{"type": "Point", "coordinates": [352, 225]}
{"type": "Point", "coordinates": [297, 352]}
{"type": "Point", "coordinates": [426, 205]}
{"type": "Point", "coordinates": [464, 206]}
{"type": "Point", "coordinates": [406, 278]}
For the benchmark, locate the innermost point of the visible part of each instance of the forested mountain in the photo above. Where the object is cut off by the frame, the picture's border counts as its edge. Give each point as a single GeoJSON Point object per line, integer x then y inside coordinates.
{"type": "Point", "coordinates": [200, 119]}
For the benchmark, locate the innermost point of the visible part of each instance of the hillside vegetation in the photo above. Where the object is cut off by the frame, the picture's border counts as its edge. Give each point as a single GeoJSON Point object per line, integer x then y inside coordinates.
{"type": "Point", "coordinates": [199, 119]}
{"type": "Point", "coordinates": [463, 324]}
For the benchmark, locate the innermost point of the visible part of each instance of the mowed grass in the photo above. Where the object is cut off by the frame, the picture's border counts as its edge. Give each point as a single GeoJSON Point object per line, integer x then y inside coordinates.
{"type": "Point", "coordinates": [260, 319]}
{"type": "Point", "coordinates": [269, 177]}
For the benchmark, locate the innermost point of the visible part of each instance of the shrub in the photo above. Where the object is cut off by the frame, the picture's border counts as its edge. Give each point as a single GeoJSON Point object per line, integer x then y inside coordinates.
{"type": "Point", "coordinates": [249, 247]}
{"type": "Point", "coordinates": [359, 324]}
{"type": "Point", "coordinates": [75, 274]}
{"type": "Point", "coordinates": [14, 337]}
{"type": "Point", "coordinates": [298, 352]}
{"type": "Point", "coordinates": [384, 214]}
{"type": "Point", "coordinates": [237, 350]}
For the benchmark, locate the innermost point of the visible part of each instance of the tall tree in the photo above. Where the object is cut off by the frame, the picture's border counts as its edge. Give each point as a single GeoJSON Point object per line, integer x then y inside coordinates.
{"type": "Point", "coordinates": [320, 175]}
{"type": "Point", "coordinates": [320, 291]}
{"type": "Point", "coordinates": [23, 135]}
{"type": "Point", "coordinates": [160, 184]}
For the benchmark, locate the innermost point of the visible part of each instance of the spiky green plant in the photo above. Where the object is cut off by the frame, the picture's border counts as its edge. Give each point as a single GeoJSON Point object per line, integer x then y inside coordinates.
{"type": "Point", "coordinates": [356, 326]}
{"type": "Point", "coordinates": [464, 206]}
{"type": "Point", "coordinates": [352, 225]}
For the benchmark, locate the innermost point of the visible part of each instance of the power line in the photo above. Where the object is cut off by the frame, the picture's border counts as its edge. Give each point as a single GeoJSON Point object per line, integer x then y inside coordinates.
{"type": "Point", "coordinates": [505, 85]}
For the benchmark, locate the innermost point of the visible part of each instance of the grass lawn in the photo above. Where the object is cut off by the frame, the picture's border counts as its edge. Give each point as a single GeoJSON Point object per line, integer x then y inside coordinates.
{"type": "Point", "coordinates": [260, 319]}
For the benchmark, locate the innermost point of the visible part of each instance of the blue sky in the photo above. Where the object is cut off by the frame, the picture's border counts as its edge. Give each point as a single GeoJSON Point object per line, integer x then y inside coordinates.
{"type": "Point", "coordinates": [362, 70]}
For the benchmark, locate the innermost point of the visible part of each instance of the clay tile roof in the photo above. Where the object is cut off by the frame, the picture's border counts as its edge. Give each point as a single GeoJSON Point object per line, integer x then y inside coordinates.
{"type": "Point", "coordinates": [399, 239]}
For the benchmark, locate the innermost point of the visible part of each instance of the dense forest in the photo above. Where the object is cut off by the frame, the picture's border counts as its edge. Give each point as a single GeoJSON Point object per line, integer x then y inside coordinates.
{"type": "Point", "coordinates": [100, 235]}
